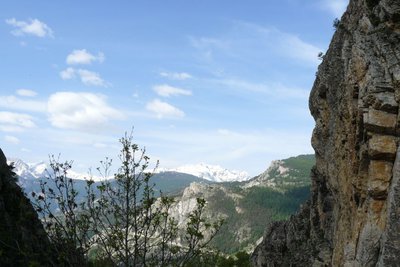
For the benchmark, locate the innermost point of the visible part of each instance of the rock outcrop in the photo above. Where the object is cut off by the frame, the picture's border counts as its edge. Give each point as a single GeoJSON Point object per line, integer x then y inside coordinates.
{"type": "Point", "coordinates": [23, 241]}
{"type": "Point", "coordinates": [353, 217]}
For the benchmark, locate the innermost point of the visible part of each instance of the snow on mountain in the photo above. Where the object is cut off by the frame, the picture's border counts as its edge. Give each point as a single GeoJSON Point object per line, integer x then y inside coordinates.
{"type": "Point", "coordinates": [20, 168]}
{"type": "Point", "coordinates": [38, 169]}
{"type": "Point", "coordinates": [29, 171]}
{"type": "Point", "coordinates": [213, 173]}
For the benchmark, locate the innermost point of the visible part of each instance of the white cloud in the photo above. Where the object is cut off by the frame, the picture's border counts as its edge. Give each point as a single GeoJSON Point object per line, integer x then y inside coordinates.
{"type": "Point", "coordinates": [91, 78]}
{"type": "Point", "coordinates": [26, 92]}
{"type": "Point", "coordinates": [336, 7]}
{"type": "Point", "coordinates": [67, 74]}
{"type": "Point", "coordinates": [15, 122]}
{"type": "Point", "coordinates": [164, 110]}
{"type": "Point", "coordinates": [83, 57]}
{"type": "Point", "coordinates": [32, 27]}
{"type": "Point", "coordinates": [81, 111]}
{"type": "Point", "coordinates": [12, 139]}
{"type": "Point", "coordinates": [12, 102]}
{"type": "Point", "coordinates": [296, 48]}
{"type": "Point", "coordinates": [167, 91]}
{"type": "Point", "coordinates": [176, 75]}
{"type": "Point", "coordinates": [87, 77]}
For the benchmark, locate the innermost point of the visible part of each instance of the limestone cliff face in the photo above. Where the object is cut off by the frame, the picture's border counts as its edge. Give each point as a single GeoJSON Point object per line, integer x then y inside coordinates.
{"type": "Point", "coordinates": [353, 218]}
{"type": "Point", "coordinates": [23, 241]}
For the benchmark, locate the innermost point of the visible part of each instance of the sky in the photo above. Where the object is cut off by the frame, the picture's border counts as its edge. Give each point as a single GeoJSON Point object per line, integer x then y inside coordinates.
{"type": "Point", "coordinates": [220, 82]}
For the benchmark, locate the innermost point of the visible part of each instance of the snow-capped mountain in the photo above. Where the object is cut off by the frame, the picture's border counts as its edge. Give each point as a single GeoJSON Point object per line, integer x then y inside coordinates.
{"type": "Point", "coordinates": [28, 170]}
{"type": "Point", "coordinates": [213, 173]}
{"type": "Point", "coordinates": [32, 171]}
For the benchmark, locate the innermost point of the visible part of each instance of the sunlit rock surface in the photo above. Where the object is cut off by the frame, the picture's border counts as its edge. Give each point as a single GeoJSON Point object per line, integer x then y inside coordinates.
{"type": "Point", "coordinates": [353, 217]}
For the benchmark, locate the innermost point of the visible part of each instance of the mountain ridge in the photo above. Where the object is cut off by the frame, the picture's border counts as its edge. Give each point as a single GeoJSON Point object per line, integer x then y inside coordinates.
{"type": "Point", "coordinates": [212, 173]}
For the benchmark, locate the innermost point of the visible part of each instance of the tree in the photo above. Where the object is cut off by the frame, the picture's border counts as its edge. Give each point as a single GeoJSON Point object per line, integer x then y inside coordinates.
{"type": "Point", "coordinates": [120, 221]}
{"type": "Point", "coordinates": [57, 205]}
{"type": "Point", "coordinates": [336, 23]}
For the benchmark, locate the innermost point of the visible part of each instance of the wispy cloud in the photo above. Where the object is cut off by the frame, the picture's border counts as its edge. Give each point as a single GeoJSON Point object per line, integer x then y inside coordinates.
{"type": "Point", "coordinates": [293, 46]}
{"type": "Point", "coordinates": [336, 7]}
{"type": "Point", "coordinates": [208, 46]}
{"type": "Point", "coordinates": [83, 57]}
{"type": "Point", "coordinates": [207, 42]}
{"type": "Point", "coordinates": [167, 91]}
{"type": "Point", "coordinates": [246, 40]}
{"type": "Point", "coordinates": [15, 122]}
{"type": "Point", "coordinates": [176, 75]}
{"type": "Point", "coordinates": [275, 90]}
{"type": "Point", "coordinates": [12, 139]}
{"type": "Point", "coordinates": [81, 111]}
{"type": "Point", "coordinates": [164, 110]}
{"type": "Point", "coordinates": [31, 27]}
{"type": "Point", "coordinates": [16, 103]}
{"type": "Point", "coordinates": [26, 92]}
{"type": "Point", "coordinates": [87, 77]}
{"type": "Point", "coordinates": [91, 78]}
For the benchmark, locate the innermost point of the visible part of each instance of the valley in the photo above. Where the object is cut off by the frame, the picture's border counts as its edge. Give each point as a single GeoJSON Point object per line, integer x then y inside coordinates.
{"type": "Point", "coordinates": [277, 193]}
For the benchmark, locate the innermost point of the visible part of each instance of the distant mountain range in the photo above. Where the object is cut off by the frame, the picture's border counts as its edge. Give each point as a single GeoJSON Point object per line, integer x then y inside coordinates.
{"type": "Point", "coordinates": [31, 174]}
{"type": "Point", "coordinates": [247, 205]}
{"type": "Point", "coordinates": [213, 173]}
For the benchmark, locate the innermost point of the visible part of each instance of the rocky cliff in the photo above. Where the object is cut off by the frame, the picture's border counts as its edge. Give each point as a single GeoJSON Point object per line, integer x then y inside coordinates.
{"type": "Point", "coordinates": [23, 241]}
{"type": "Point", "coordinates": [353, 217]}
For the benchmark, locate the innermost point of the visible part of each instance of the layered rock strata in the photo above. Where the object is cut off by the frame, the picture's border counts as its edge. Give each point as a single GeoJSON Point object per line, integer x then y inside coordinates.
{"type": "Point", "coordinates": [353, 217]}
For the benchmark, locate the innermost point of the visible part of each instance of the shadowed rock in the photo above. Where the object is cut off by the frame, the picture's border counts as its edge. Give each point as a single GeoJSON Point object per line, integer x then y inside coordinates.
{"type": "Point", "coordinates": [23, 241]}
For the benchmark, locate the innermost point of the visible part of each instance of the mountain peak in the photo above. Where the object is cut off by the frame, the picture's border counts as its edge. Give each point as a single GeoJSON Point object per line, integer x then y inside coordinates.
{"type": "Point", "coordinates": [213, 173]}
{"type": "Point", "coordinates": [27, 171]}
{"type": "Point", "coordinates": [285, 172]}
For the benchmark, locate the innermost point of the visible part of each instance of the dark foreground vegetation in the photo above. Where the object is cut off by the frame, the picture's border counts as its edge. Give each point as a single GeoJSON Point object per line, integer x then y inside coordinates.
{"type": "Point", "coordinates": [124, 222]}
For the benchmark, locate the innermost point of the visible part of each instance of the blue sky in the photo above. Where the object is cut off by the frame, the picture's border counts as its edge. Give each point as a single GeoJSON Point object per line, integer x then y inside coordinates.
{"type": "Point", "coordinates": [220, 82]}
